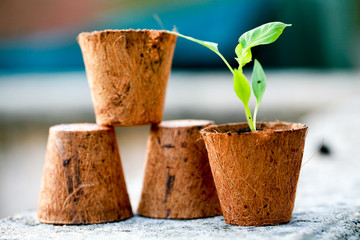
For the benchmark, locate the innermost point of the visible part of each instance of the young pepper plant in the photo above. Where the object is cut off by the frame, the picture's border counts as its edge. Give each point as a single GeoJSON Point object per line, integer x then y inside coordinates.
{"type": "Point", "coordinates": [264, 34]}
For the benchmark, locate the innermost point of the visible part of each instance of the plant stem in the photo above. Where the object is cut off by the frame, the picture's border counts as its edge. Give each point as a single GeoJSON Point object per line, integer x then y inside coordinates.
{"type": "Point", "coordinates": [249, 118]}
{"type": "Point", "coordinates": [226, 62]}
{"type": "Point", "coordinates": [255, 113]}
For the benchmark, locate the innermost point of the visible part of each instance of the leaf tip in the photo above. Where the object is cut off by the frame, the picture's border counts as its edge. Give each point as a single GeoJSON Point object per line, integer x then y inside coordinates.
{"type": "Point", "coordinates": [285, 24]}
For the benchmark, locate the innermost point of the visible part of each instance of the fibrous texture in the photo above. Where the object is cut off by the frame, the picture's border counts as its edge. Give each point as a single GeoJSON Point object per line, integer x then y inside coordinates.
{"type": "Point", "coordinates": [83, 181]}
{"type": "Point", "coordinates": [256, 173]}
{"type": "Point", "coordinates": [178, 183]}
{"type": "Point", "coordinates": [127, 72]}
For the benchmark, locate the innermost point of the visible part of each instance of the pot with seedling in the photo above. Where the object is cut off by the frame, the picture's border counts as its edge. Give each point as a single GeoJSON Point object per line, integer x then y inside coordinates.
{"type": "Point", "coordinates": [255, 165]}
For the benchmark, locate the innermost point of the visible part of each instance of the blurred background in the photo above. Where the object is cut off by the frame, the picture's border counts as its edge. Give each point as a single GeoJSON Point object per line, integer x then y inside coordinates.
{"type": "Point", "coordinates": [40, 35]}
{"type": "Point", "coordinates": [311, 67]}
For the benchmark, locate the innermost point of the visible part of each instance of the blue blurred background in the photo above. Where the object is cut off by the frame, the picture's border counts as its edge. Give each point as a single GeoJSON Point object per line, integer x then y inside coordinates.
{"type": "Point", "coordinates": [40, 35]}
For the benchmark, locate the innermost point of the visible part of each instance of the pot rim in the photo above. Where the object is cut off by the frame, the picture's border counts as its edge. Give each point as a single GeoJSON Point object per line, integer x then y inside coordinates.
{"type": "Point", "coordinates": [277, 126]}
{"type": "Point", "coordinates": [185, 123]}
{"type": "Point", "coordinates": [79, 127]}
{"type": "Point", "coordinates": [129, 30]}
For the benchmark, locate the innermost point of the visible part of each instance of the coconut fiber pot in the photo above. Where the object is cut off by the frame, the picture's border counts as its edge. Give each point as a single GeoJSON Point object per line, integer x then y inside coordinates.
{"type": "Point", "coordinates": [83, 181]}
{"type": "Point", "coordinates": [127, 72]}
{"type": "Point", "coordinates": [256, 173]}
{"type": "Point", "coordinates": [178, 183]}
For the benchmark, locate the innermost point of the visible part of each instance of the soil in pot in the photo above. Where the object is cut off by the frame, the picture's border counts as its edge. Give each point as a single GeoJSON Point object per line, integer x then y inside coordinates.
{"type": "Point", "coordinates": [256, 173]}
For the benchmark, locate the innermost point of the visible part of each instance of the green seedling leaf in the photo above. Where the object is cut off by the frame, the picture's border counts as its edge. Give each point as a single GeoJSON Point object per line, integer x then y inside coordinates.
{"type": "Point", "coordinates": [240, 59]}
{"type": "Point", "coordinates": [258, 81]}
{"type": "Point", "coordinates": [243, 91]}
{"type": "Point", "coordinates": [238, 50]}
{"type": "Point", "coordinates": [264, 34]}
{"type": "Point", "coordinates": [241, 86]}
{"type": "Point", "coordinates": [210, 45]}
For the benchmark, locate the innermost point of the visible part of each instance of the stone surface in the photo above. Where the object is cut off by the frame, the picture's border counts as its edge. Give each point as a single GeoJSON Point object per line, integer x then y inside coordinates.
{"type": "Point", "coordinates": [318, 223]}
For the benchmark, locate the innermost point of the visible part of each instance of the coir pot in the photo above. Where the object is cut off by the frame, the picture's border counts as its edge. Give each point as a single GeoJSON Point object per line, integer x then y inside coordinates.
{"type": "Point", "coordinates": [256, 173]}
{"type": "Point", "coordinates": [127, 72]}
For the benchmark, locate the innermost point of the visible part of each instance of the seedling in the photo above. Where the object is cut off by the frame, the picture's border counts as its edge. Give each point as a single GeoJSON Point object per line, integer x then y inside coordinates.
{"type": "Point", "coordinates": [264, 34]}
